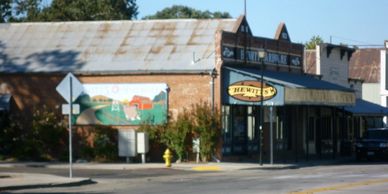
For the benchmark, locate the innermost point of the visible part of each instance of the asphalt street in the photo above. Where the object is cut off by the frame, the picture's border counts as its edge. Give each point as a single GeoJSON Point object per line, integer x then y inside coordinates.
{"type": "Point", "coordinates": [354, 178]}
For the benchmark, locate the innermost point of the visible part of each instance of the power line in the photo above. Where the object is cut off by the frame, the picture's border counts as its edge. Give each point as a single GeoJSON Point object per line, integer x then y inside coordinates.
{"type": "Point", "coordinates": [361, 43]}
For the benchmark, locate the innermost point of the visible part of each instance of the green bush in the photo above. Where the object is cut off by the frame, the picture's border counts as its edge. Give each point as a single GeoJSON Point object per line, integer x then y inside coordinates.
{"type": "Point", "coordinates": [207, 128]}
{"type": "Point", "coordinates": [105, 144]}
{"type": "Point", "coordinates": [48, 137]}
{"type": "Point", "coordinates": [43, 139]}
{"type": "Point", "coordinates": [11, 136]}
{"type": "Point", "coordinates": [102, 147]}
{"type": "Point", "coordinates": [176, 134]}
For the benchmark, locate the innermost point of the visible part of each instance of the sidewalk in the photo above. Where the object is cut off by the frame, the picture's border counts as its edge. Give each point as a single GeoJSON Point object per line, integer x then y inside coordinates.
{"type": "Point", "coordinates": [16, 181]}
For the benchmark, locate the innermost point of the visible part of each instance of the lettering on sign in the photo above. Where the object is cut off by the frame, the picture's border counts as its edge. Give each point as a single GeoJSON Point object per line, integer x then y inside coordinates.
{"type": "Point", "coordinates": [252, 56]}
{"type": "Point", "coordinates": [251, 91]}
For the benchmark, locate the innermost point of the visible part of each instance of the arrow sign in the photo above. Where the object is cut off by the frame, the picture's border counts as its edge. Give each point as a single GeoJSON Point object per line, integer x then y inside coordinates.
{"type": "Point", "coordinates": [63, 88]}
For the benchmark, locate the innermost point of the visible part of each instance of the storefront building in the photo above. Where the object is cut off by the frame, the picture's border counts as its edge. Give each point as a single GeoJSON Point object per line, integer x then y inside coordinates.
{"type": "Point", "coordinates": [355, 69]}
{"type": "Point", "coordinates": [302, 116]}
{"type": "Point", "coordinates": [136, 71]}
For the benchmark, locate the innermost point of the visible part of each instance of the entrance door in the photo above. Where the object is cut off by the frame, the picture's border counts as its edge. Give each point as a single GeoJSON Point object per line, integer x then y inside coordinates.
{"type": "Point", "coordinates": [239, 130]}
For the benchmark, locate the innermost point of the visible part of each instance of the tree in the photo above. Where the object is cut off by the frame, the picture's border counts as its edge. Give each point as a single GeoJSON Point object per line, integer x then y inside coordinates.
{"type": "Point", "coordinates": [86, 10]}
{"type": "Point", "coordinates": [5, 10]}
{"type": "Point", "coordinates": [179, 11]}
{"type": "Point", "coordinates": [314, 41]}
{"type": "Point", "coordinates": [27, 10]}
{"type": "Point", "coordinates": [74, 10]}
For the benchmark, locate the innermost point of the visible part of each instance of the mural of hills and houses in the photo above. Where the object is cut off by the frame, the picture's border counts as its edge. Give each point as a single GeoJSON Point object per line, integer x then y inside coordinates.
{"type": "Point", "coordinates": [101, 109]}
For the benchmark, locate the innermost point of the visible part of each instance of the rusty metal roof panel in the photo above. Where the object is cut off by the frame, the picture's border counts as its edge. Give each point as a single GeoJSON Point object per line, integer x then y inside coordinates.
{"type": "Point", "coordinates": [365, 64]}
{"type": "Point", "coordinates": [110, 46]}
{"type": "Point", "coordinates": [310, 64]}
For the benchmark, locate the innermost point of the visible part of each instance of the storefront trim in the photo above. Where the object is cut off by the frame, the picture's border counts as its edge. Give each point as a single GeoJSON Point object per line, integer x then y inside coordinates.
{"type": "Point", "coordinates": [303, 96]}
{"type": "Point", "coordinates": [293, 89]}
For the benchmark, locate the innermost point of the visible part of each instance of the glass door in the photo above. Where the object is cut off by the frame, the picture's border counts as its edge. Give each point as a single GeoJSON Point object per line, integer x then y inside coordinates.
{"type": "Point", "coordinates": [239, 130]}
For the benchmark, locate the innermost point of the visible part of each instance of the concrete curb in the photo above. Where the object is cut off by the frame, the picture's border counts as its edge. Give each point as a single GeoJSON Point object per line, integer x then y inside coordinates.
{"type": "Point", "coordinates": [48, 185]}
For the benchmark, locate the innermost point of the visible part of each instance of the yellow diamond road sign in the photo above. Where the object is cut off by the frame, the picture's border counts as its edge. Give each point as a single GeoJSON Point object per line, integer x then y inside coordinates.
{"type": "Point", "coordinates": [63, 88]}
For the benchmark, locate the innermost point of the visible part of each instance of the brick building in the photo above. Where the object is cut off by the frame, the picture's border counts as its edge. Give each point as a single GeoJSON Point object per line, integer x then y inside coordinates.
{"type": "Point", "coordinates": [176, 63]}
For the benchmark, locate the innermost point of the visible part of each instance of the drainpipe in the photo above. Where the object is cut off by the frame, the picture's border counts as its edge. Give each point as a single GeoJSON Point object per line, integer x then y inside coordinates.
{"type": "Point", "coordinates": [213, 75]}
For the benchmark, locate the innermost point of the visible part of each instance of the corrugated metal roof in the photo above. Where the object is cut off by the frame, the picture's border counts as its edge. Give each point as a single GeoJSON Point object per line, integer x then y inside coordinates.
{"type": "Point", "coordinates": [365, 65]}
{"type": "Point", "coordinates": [310, 64]}
{"type": "Point", "coordinates": [110, 46]}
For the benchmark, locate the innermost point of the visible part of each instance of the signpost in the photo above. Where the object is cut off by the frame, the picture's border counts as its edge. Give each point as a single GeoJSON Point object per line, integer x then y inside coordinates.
{"type": "Point", "coordinates": [70, 88]}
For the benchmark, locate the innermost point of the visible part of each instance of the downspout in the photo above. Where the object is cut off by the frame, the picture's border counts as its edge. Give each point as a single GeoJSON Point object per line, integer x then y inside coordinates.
{"type": "Point", "coordinates": [213, 75]}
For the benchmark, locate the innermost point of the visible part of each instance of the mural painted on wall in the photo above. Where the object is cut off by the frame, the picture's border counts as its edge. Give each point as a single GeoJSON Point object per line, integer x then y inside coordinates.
{"type": "Point", "coordinates": [122, 104]}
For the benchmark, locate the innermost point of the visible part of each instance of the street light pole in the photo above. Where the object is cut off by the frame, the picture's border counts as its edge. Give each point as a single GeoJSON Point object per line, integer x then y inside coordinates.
{"type": "Point", "coordinates": [261, 56]}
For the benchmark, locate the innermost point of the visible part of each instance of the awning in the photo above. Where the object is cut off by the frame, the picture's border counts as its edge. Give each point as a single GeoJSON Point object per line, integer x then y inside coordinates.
{"type": "Point", "coordinates": [366, 108]}
{"type": "Point", "coordinates": [5, 101]}
{"type": "Point", "coordinates": [299, 89]}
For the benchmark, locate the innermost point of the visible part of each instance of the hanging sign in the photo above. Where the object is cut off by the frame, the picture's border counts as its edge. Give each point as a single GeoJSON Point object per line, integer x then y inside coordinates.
{"type": "Point", "coordinates": [250, 91]}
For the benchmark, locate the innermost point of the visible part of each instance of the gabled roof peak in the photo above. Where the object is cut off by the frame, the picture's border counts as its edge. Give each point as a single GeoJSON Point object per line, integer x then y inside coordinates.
{"type": "Point", "coordinates": [282, 33]}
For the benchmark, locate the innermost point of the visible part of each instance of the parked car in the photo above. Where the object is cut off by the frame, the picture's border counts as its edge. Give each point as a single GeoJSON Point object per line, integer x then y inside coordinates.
{"type": "Point", "coordinates": [374, 144]}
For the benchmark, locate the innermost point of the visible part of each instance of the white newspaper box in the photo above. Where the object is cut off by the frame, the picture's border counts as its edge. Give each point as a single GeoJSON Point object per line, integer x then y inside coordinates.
{"type": "Point", "coordinates": [127, 143]}
{"type": "Point", "coordinates": [142, 143]}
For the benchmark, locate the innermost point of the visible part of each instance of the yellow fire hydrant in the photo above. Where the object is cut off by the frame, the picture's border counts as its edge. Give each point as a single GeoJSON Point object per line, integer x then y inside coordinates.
{"type": "Point", "coordinates": [167, 157]}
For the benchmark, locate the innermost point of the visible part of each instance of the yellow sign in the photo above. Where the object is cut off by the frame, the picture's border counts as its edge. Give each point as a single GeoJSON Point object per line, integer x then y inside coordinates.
{"type": "Point", "coordinates": [251, 91]}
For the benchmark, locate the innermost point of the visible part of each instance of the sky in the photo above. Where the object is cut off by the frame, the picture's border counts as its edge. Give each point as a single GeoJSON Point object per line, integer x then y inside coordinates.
{"type": "Point", "coordinates": [353, 22]}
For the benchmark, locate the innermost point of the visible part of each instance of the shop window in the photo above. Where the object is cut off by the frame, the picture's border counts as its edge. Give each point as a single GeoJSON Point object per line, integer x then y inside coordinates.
{"type": "Point", "coordinates": [343, 128]}
{"type": "Point", "coordinates": [376, 122]}
{"type": "Point", "coordinates": [225, 118]}
{"type": "Point", "coordinates": [226, 129]}
{"type": "Point", "coordinates": [326, 128]}
{"type": "Point", "coordinates": [311, 129]}
{"type": "Point", "coordinates": [288, 127]}
{"type": "Point", "coordinates": [357, 127]}
{"type": "Point", "coordinates": [279, 129]}
{"type": "Point", "coordinates": [251, 124]}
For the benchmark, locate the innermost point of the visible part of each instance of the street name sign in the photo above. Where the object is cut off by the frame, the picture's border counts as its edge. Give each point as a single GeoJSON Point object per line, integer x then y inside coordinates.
{"type": "Point", "coordinates": [66, 109]}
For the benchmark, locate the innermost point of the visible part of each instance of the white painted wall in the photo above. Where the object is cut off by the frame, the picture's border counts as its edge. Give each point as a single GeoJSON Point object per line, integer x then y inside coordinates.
{"type": "Point", "coordinates": [333, 69]}
{"type": "Point", "coordinates": [371, 92]}
{"type": "Point", "coordinates": [383, 81]}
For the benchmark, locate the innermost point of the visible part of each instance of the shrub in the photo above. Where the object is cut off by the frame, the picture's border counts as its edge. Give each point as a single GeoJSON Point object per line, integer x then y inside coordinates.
{"type": "Point", "coordinates": [176, 133]}
{"type": "Point", "coordinates": [48, 137]}
{"type": "Point", "coordinates": [98, 144]}
{"type": "Point", "coordinates": [105, 143]}
{"type": "Point", "coordinates": [207, 125]}
{"type": "Point", "coordinates": [11, 136]}
{"type": "Point", "coordinates": [199, 122]}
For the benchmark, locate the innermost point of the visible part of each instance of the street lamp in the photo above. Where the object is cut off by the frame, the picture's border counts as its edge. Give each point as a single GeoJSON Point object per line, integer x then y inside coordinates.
{"type": "Point", "coordinates": [262, 55]}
